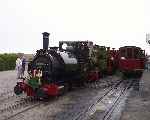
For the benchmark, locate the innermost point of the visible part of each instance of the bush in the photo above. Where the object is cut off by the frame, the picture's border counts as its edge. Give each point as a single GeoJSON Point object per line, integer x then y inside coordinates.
{"type": "Point", "coordinates": [7, 61]}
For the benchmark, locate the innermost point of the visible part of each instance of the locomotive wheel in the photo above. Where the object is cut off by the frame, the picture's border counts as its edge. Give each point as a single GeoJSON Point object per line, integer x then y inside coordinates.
{"type": "Point", "coordinates": [65, 89]}
{"type": "Point", "coordinates": [138, 74]}
{"type": "Point", "coordinates": [17, 90]}
{"type": "Point", "coordinates": [124, 75]}
{"type": "Point", "coordinates": [41, 95]}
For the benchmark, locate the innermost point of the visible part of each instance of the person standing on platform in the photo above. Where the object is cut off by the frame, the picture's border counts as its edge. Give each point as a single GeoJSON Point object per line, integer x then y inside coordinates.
{"type": "Point", "coordinates": [19, 68]}
{"type": "Point", "coordinates": [23, 65]}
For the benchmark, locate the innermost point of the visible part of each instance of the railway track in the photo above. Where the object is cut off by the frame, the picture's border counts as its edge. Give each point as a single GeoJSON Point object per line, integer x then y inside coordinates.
{"type": "Point", "coordinates": [105, 104]}
{"type": "Point", "coordinates": [123, 91]}
{"type": "Point", "coordinates": [10, 110]}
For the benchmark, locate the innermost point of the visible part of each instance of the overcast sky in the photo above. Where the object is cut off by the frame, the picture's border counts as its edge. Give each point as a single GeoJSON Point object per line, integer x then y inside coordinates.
{"type": "Point", "coordinates": [112, 23]}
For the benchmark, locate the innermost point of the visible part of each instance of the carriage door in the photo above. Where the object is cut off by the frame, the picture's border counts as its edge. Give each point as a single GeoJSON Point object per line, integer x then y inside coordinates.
{"type": "Point", "coordinates": [129, 52]}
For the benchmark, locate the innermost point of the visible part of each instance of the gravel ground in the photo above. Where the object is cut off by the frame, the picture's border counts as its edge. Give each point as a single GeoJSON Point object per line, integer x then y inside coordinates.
{"type": "Point", "coordinates": [138, 103]}
{"type": "Point", "coordinates": [7, 80]}
{"type": "Point", "coordinates": [71, 104]}
{"type": "Point", "coordinates": [65, 107]}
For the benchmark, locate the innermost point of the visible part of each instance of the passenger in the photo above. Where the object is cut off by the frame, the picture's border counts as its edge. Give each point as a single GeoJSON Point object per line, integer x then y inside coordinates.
{"type": "Point", "coordinates": [148, 66]}
{"type": "Point", "coordinates": [23, 65]}
{"type": "Point", "coordinates": [19, 68]}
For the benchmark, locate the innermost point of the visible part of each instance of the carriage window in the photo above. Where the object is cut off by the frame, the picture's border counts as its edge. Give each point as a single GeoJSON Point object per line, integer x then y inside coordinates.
{"type": "Point", "coordinates": [141, 53]}
{"type": "Point", "coordinates": [123, 53]}
{"type": "Point", "coordinates": [136, 53]}
{"type": "Point", "coordinates": [129, 52]}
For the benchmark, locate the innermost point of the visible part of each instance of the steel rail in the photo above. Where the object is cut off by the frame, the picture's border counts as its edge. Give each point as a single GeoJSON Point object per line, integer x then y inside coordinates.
{"type": "Point", "coordinates": [25, 104]}
{"type": "Point", "coordinates": [108, 113]}
{"type": "Point", "coordinates": [82, 115]}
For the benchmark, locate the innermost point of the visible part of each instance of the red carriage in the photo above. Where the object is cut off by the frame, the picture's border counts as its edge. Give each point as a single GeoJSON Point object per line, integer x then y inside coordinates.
{"type": "Point", "coordinates": [131, 61]}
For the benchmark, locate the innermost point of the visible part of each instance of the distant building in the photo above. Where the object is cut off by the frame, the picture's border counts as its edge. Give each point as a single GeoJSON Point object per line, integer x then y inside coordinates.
{"type": "Point", "coordinates": [28, 57]}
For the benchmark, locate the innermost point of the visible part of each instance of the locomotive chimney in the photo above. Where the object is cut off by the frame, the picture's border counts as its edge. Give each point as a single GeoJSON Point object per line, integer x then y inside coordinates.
{"type": "Point", "coordinates": [108, 48]}
{"type": "Point", "coordinates": [45, 40]}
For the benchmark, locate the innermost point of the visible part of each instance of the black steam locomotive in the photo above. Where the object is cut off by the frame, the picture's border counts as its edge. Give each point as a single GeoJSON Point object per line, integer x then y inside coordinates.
{"type": "Point", "coordinates": [55, 70]}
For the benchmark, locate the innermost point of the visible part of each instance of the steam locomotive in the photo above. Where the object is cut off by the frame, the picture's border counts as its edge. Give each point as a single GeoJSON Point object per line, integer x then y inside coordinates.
{"type": "Point", "coordinates": [56, 70]}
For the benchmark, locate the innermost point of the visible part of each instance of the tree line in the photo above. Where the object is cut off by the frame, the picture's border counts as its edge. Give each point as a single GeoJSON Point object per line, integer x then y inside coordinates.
{"type": "Point", "coordinates": [7, 61]}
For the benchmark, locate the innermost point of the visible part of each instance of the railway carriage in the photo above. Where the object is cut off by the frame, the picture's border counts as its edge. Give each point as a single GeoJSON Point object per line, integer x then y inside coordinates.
{"type": "Point", "coordinates": [131, 61]}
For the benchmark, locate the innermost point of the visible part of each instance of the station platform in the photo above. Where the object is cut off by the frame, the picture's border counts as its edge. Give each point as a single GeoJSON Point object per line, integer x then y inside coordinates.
{"type": "Point", "coordinates": [138, 103]}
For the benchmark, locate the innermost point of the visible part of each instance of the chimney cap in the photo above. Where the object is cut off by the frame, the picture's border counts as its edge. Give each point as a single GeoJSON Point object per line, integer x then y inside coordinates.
{"type": "Point", "coordinates": [46, 33]}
